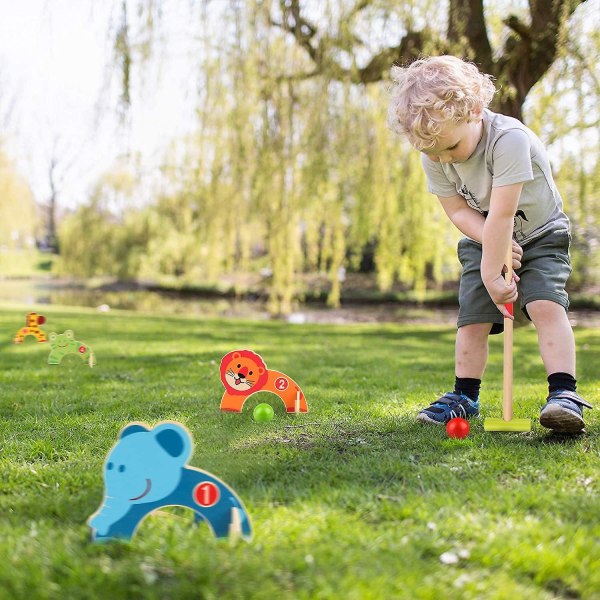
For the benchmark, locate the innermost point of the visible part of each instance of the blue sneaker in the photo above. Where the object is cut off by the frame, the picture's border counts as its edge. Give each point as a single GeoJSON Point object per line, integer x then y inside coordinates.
{"type": "Point", "coordinates": [449, 406]}
{"type": "Point", "coordinates": [563, 412]}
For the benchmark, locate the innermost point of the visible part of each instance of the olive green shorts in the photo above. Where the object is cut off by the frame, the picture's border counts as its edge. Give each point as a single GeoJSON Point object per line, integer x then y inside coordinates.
{"type": "Point", "coordinates": [545, 268]}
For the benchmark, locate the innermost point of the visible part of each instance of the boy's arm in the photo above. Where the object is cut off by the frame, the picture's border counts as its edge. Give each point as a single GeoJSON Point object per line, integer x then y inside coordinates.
{"type": "Point", "coordinates": [466, 219]}
{"type": "Point", "coordinates": [470, 222]}
{"type": "Point", "coordinates": [496, 239]}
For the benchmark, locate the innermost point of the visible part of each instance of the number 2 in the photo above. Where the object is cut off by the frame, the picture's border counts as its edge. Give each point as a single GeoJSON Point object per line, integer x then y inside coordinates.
{"type": "Point", "coordinates": [281, 384]}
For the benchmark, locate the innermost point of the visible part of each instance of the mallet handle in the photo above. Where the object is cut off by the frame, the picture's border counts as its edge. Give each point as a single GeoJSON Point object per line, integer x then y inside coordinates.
{"type": "Point", "coordinates": [507, 399]}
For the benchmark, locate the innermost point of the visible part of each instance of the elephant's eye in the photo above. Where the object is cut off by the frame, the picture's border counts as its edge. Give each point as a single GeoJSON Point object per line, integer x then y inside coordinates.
{"type": "Point", "coordinates": [109, 466]}
{"type": "Point", "coordinates": [250, 373]}
{"type": "Point", "coordinates": [239, 366]}
{"type": "Point", "coordinates": [121, 468]}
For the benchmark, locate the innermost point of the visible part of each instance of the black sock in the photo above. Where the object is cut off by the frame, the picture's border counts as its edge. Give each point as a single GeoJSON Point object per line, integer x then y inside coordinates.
{"type": "Point", "coordinates": [468, 387]}
{"type": "Point", "coordinates": [561, 381]}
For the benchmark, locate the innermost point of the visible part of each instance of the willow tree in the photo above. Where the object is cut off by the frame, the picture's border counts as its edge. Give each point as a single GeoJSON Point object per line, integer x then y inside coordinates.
{"type": "Point", "coordinates": [530, 43]}
{"type": "Point", "coordinates": [564, 109]}
{"type": "Point", "coordinates": [19, 218]}
{"type": "Point", "coordinates": [292, 165]}
{"type": "Point", "coordinates": [517, 47]}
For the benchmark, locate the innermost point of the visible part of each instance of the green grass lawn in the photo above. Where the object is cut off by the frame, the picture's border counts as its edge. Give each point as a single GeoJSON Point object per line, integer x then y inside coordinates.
{"type": "Point", "coordinates": [355, 500]}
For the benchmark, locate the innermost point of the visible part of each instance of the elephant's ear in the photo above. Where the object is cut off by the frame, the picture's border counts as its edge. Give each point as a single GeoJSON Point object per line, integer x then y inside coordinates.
{"type": "Point", "coordinates": [132, 428]}
{"type": "Point", "coordinates": [175, 439]}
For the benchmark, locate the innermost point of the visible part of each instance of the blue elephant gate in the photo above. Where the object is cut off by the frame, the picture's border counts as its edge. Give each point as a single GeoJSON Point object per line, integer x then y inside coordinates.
{"type": "Point", "coordinates": [146, 470]}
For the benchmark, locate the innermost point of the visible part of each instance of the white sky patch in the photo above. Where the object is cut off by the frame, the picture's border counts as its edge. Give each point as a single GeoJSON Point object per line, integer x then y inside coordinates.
{"type": "Point", "coordinates": [55, 61]}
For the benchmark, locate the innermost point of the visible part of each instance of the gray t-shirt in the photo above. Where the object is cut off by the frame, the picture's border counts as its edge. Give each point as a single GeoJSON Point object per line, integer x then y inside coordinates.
{"type": "Point", "coordinates": [507, 153]}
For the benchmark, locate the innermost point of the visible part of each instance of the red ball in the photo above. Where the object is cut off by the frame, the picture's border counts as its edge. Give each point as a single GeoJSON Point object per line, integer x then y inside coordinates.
{"type": "Point", "coordinates": [457, 428]}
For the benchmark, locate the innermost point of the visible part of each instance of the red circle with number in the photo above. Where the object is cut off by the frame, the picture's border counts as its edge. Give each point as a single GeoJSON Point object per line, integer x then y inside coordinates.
{"type": "Point", "coordinates": [206, 494]}
{"type": "Point", "coordinates": [281, 384]}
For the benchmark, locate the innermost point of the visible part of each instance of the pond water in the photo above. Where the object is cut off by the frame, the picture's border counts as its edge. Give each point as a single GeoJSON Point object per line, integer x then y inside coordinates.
{"type": "Point", "coordinates": [53, 291]}
{"type": "Point", "coordinates": [66, 293]}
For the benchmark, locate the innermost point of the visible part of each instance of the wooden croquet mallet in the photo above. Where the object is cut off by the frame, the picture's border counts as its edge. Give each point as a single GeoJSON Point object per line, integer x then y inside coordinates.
{"type": "Point", "coordinates": [507, 423]}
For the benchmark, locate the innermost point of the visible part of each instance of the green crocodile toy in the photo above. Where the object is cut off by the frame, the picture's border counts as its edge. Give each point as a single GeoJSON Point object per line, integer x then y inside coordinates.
{"type": "Point", "coordinates": [65, 343]}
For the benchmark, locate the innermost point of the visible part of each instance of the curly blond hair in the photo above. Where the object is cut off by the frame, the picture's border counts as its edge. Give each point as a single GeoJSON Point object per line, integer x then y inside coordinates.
{"type": "Point", "coordinates": [432, 91]}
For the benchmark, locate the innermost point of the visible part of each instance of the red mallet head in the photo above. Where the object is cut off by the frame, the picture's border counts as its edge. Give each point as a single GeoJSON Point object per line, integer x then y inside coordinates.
{"type": "Point", "coordinates": [457, 428]}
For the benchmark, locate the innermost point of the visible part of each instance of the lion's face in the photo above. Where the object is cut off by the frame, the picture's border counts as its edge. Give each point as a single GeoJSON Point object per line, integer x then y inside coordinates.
{"type": "Point", "coordinates": [243, 371]}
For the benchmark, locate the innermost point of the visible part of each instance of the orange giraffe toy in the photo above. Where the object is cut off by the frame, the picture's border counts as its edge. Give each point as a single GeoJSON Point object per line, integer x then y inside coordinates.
{"type": "Point", "coordinates": [244, 373]}
{"type": "Point", "coordinates": [32, 327]}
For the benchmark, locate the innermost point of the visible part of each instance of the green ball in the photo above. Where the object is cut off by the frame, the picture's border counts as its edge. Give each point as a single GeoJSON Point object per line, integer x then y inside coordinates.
{"type": "Point", "coordinates": [263, 413]}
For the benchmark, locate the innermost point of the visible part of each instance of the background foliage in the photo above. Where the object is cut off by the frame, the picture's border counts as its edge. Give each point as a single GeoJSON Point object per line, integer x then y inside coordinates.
{"type": "Point", "coordinates": [289, 171]}
{"type": "Point", "coordinates": [18, 214]}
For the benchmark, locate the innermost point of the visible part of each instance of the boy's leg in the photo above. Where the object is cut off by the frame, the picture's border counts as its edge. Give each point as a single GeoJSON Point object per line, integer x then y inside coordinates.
{"type": "Point", "coordinates": [544, 273]}
{"type": "Point", "coordinates": [563, 410]}
{"type": "Point", "coordinates": [471, 350]}
{"type": "Point", "coordinates": [477, 318]}
{"type": "Point", "coordinates": [555, 336]}
{"type": "Point", "coordinates": [470, 360]}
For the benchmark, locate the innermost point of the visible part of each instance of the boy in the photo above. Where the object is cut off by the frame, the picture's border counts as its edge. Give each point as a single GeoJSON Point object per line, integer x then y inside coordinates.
{"type": "Point", "coordinates": [492, 176]}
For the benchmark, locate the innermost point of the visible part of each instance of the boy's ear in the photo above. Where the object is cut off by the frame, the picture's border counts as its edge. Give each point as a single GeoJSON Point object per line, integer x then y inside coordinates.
{"type": "Point", "coordinates": [476, 114]}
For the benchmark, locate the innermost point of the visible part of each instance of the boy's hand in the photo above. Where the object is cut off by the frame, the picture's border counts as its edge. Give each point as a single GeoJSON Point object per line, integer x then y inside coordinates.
{"type": "Point", "coordinates": [502, 293]}
{"type": "Point", "coordinates": [517, 255]}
